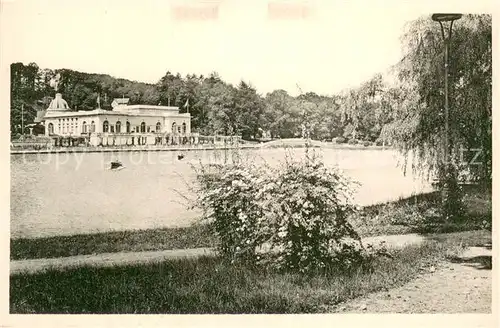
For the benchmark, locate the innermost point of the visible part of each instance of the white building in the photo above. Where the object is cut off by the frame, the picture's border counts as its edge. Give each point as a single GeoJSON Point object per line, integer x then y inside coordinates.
{"type": "Point", "coordinates": [60, 120]}
{"type": "Point", "coordinates": [119, 102]}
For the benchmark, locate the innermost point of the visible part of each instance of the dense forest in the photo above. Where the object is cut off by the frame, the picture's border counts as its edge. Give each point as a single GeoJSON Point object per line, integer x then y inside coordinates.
{"type": "Point", "coordinates": [407, 114]}
{"type": "Point", "coordinates": [215, 105]}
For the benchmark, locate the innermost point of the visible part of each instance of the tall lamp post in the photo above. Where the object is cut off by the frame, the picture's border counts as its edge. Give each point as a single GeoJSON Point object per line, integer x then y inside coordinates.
{"type": "Point", "coordinates": [446, 19]}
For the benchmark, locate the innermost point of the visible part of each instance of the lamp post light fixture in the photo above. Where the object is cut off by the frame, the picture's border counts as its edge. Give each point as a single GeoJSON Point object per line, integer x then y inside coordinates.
{"type": "Point", "coordinates": [443, 19]}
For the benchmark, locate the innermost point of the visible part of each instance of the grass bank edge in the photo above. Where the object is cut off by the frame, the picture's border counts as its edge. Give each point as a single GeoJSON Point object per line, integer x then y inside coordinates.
{"type": "Point", "coordinates": [389, 218]}
{"type": "Point", "coordinates": [208, 285]}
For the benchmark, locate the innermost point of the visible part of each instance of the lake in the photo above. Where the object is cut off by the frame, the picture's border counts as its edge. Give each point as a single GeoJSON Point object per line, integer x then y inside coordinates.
{"type": "Point", "coordinates": [75, 193]}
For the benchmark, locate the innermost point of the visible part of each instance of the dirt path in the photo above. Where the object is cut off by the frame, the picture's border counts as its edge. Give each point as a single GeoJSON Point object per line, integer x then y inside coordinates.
{"type": "Point", "coordinates": [104, 260]}
{"type": "Point", "coordinates": [113, 259]}
{"type": "Point", "coordinates": [463, 285]}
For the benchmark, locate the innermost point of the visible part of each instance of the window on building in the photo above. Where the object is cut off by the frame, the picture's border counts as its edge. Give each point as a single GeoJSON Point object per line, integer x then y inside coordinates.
{"type": "Point", "coordinates": [84, 127]}
{"type": "Point", "coordinates": [92, 126]}
{"type": "Point", "coordinates": [184, 127]}
{"type": "Point", "coordinates": [158, 127]}
{"type": "Point", "coordinates": [51, 128]}
{"type": "Point", "coordinates": [174, 129]}
{"type": "Point", "coordinates": [118, 127]}
{"type": "Point", "coordinates": [143, 127]}
{"type": "Point", "coordinates": [127, 126]}
{"type": "Point", "coordinates": [105, 127]}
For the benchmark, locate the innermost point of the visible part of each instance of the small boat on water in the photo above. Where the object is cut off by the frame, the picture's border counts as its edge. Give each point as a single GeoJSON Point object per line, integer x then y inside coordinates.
{"type": "Point", "coordinates": [180, 156]}
{"type": "Point", "coordinates": [116, 165]}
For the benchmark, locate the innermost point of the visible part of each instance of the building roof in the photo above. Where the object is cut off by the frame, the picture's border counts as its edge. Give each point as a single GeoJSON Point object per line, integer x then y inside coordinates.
{"type": "Point", "coordinates": [170, 112]}
{"type": "Point", "coordinates": [140, 107]}
{"type": "Point", "coordinates": [121, 101]}
{"type": "Point", "coordinates": [60, 109]}
{"type": "Point", "coordinates": [58, 104]}
{"type": "Point", "coordinates": [39, 116]}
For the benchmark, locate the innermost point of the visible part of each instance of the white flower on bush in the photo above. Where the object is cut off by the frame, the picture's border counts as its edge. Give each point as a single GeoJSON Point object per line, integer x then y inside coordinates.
{"type": "Point", "coordinates": [348, 242]}
{"type": "Point", "coordinates": [238, 183]}
{"type": "Point", "coordinates": [283, 198]}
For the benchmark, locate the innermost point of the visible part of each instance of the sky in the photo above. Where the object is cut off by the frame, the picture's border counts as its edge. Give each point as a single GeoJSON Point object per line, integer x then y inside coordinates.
{"type": "Point", "coordinates": [321, 46]}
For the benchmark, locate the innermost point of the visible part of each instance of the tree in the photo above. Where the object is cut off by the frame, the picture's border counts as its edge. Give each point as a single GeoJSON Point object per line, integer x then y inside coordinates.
{"type": "Point", "coordinates": [248, 109]}
{"type": "Point", "coordinates": [219, 102]}
{"type": "Point", "coordinates": [417, 129]}
{"type": "Point", "coordinates": [277, 116]}
{"type": "Point", "coordinates": [25, 93]}
{"type": "Point", "coordinates": [216, 107]}
{"type": "Point", "coordinates": [330, 125]}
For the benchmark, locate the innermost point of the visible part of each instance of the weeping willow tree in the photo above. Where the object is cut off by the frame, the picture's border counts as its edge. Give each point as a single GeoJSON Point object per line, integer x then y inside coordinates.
{"type": "Point", "coordinates": [417, 129]}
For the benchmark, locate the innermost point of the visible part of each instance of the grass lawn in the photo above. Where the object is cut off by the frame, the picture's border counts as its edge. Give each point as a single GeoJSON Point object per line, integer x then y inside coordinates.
{"type": "Point", "coordinates": [207, 285]}
{"type": "Point", "coordinates": [397, 217]}
{"type": "Point", "coordinates": [109, 242]}
{"type": "Point", "coordinates": [417, 214]}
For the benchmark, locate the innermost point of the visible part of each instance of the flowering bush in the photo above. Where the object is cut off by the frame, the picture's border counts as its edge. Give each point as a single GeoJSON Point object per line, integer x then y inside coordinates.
{"type": "Point", "coordinates": [300, 210]}
{"type": "Point", "coordinates": [227, 195]}
{"type": "Point", "coordinates": [306, 205]}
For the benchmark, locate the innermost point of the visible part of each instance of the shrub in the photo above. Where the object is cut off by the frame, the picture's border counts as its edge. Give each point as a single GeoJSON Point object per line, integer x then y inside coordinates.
{"type": "Point", "coordinates": [367, 143]}
{"type": "Point", "coordinates": [339, 140]}
{"type": "Point", "coordinates": [352, 141]}
{"type": "Point", "coordinates": [300, 210]}
{"type": "Point", "coordinates": [307, 207]}
{"type": "Point", "coordinates": [227, 196]}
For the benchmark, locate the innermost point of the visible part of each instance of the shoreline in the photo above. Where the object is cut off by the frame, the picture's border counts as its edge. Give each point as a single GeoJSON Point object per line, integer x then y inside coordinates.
{"type": "Point", "coordinates": [196, 223]}
{"type": "Point", "coordinates": [117, 150]}
{"type": "Point", "coordinates": [370, 221]}
{"type": "Point", "coordinates": [156, 149]}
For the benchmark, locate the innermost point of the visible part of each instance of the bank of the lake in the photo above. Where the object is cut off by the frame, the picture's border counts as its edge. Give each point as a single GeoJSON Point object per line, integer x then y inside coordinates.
{"type": "Point", "coordinates": [116, 149]}
{"type": "Point", "coordinates": [76, 193]}
{"type": "Point", "coordinates": [126, 149]}
{"type": "Point", "coordinates": [399, 217]}
{"type": "Point", "coordinates": [209, 285]}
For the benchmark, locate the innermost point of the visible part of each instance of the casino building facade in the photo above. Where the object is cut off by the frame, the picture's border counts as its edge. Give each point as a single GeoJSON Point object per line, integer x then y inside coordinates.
{"type": "Point", "coordinates": [124, 124]}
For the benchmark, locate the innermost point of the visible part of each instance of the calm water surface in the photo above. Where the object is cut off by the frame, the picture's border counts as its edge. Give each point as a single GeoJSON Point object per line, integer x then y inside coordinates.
{"type": "Point", "coordinates": [64, 194]}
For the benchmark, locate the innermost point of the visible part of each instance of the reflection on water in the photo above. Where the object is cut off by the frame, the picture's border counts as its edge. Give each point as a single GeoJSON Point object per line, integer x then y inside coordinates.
{"type": "Point", "coordinates": [56, 194]}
